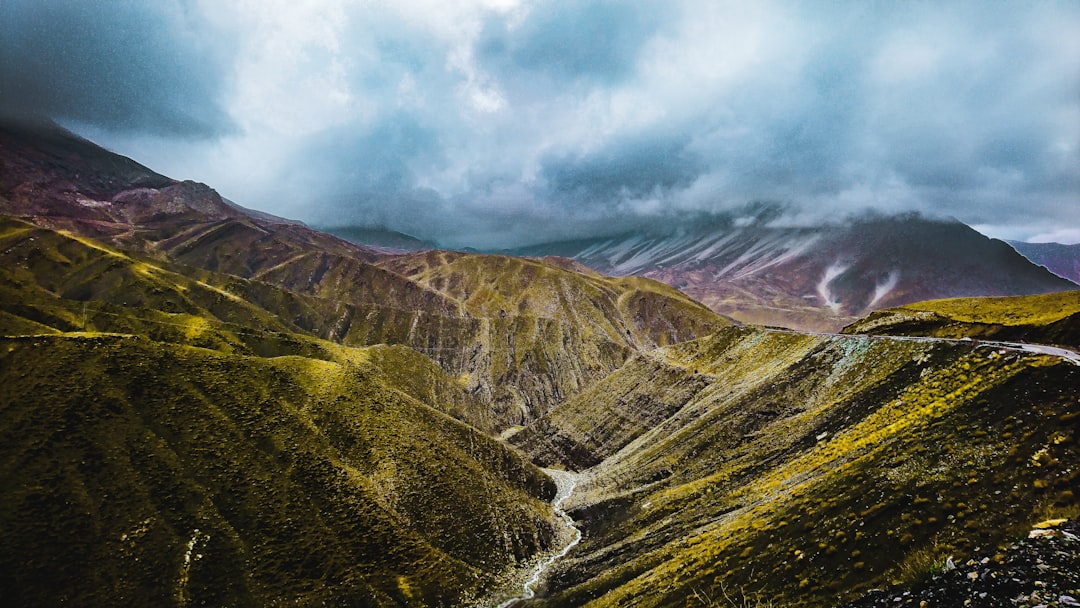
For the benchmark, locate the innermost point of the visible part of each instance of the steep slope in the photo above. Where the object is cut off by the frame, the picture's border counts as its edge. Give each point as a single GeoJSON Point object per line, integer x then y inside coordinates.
{"type": "Point", "coordinates": [145, 473]}
{"type": "Point", "coordinates": [1062, 260]}
{"type": "Point", "coordinates": [1044, 319]}
{"type": "Point", "coordinates": [804, 470]}
{"type": "Point", "coordinates": [817, 278]}
{"type": "Point", "coordinates": [547, 332]}
{"type": "Point", "coordinates": [53, 282]}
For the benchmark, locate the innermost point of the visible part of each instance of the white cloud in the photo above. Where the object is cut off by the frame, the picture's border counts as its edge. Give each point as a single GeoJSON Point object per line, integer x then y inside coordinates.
{"type": "Point", "coordinates": [459, 114]}
{"type": "Point", "coordinates": [1067, 236]}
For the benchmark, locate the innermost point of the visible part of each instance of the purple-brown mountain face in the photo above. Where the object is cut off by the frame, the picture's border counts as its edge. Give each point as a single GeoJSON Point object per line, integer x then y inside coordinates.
{"type": "Point", "coordinates": [1062, 260]}
{"type": "Point", "coordinates": [66, 182]}
{"type": "Point", "coordinates": [818, 278]}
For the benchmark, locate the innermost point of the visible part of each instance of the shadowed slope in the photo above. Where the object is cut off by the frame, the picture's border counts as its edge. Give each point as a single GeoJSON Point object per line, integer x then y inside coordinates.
{"type": "Point", "coordinates": [148, 473]}
{"type": "Point", "coordinates": [1062, 260]}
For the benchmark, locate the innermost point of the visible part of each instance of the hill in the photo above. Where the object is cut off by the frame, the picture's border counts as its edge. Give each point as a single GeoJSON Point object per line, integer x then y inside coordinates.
{"type": "Point", "coordinates": [1044, 319]}
{"type": "Point", "coordinates": [804, 470]}
{"type": "Point", "coordinates": [326, 287]}
{"type": "Point", "coordinates": [144, 472]}
{"type": "Point", "coordinates": [208, 405]}
{"type": "Point", "coordinates": [1062, 260]}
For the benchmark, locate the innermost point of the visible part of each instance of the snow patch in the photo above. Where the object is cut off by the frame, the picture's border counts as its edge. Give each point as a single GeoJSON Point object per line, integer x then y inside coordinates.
{"type": "Point", "coordinates": [834, 270]}
{"type": "Point", "coordinates": [881, 289]}
{"type": "Point", "coordinates": [93, 204]}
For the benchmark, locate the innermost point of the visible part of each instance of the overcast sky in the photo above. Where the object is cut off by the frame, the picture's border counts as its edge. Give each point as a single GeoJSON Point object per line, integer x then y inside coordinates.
{"type": "Point", "coordinates": [499, 122]}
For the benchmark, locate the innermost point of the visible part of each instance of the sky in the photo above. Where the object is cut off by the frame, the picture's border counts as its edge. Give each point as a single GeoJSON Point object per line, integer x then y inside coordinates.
{"type": "Point", "coordinates": [495, 123]}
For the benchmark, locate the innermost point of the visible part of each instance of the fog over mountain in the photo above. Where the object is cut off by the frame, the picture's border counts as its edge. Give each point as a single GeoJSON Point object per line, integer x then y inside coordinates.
{"type": "Point", "coordinates": [493, 123]}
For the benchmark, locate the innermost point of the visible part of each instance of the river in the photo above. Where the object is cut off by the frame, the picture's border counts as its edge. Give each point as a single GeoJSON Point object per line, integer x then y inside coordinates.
{"type": "Point", "coordinates": [565, 481]}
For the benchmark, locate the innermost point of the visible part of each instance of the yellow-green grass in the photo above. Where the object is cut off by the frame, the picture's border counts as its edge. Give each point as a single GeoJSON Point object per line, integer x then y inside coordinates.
{"type": "Point", "coordinates": [149, 473]}
{"type": "Point", "coordinates": [810, 469]}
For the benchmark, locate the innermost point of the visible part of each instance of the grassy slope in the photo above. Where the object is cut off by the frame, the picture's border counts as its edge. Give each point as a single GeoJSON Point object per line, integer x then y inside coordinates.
{"type": "Point", "coordinates": [288, 479]}
{"type": "Point", "coordinates": [519, 359]}
{"type": "Point", "coordinates": [302, 470]}
{"type": "Point", "coordinates": [1043, 319]}
{"type": "Point", "coordinates": [565, 331]}
{"type": "Point", "coordinates": [547, 332]}
{"type": "Point", "coordinates": [806, 469]}
{"type": "Point", "coordinates": [53, 282]}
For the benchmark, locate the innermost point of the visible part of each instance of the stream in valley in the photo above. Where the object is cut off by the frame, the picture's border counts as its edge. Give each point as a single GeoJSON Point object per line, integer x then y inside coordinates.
{"type": "Point", "coordinates": [565, 481]}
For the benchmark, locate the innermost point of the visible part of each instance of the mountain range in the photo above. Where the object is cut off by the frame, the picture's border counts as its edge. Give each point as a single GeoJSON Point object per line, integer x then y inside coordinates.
{"type": "Point", "coordinates": [817, 278]}
{"type": "Point", "coordinates": [208, 405]}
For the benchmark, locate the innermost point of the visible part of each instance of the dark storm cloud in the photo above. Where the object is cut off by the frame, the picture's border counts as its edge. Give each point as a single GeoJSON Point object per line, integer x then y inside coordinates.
{"type": "Point", "coordinates": [126, 66]}
{"type": "Point", "coordinates": [633, 169]}
{"type": "Point", "coordinates": [597, 40]}
{"type": "Point", "coordinates": [496, 122]}
{"type": "Point", "coordinates": [372, 173]}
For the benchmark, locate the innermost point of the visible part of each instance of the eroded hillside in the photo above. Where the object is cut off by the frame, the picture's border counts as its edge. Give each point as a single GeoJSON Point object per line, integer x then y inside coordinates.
{"type": "Point", "coordinates": [805, 470]}
{"type": "Point", "coordinates": [554, 336]}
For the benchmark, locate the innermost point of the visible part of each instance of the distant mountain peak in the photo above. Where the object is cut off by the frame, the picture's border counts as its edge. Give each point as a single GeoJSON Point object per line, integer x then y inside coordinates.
{"type": "Point", "coordinates": [816, 277]}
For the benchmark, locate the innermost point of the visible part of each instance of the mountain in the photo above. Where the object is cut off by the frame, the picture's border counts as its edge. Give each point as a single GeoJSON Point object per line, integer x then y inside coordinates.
{"type": "Point", "coordinates": [380, 238]}
{"type": "Point", "coordinates": [165, 442]}
{"type": "Point", "coordinates": [206, 405]}
{"type": "Point", "coordinates": [333, 289]}
{"type": "Point", "coordinates": [816, 278]}
{"type": "Point", "coordinates": [766, 467]}
{"type": "Point", "coordinates": [1062, 260]}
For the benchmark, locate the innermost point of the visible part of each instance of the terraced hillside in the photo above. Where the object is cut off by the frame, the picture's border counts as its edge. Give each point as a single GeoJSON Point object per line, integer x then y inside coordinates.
{"type": "Point", "coordinates": [1045, 319]}
{"type": "Point", "coordinates": [804, 470]}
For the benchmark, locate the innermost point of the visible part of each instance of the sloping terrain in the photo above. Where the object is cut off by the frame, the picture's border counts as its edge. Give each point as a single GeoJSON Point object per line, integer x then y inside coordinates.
{"type": "Point", "coordinates": [1040, 570]}
{"type": "Point", "coordinates": [145, 473]}
{"type": "Point", "coordinates": [816, 278]}
{"type": "Point", "coordinates": [326, 287]}
{"type": "Point", "coordinates": [1044, 319]}
{"type": "Point", "coordinates": [1062, 260]}
{"type": "Point", "coordinates": [804, 470]}
{"type": "Point", "coordinates": [207, 405]}
{"type": "Point", "coordinates": [547, 332]}
{"type": "Point", "coordinates": [380, 238]}
{"type": "Point", "coordinates": [166, 442]}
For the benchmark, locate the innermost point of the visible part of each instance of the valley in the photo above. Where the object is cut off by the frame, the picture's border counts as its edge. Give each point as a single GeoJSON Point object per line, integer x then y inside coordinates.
{"type": "Point", "coordinates": [204, 405]}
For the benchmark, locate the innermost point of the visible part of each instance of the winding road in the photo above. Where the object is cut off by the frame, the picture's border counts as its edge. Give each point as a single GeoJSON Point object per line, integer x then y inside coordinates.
{"type": "Point", "coordinates": [1041, 349]}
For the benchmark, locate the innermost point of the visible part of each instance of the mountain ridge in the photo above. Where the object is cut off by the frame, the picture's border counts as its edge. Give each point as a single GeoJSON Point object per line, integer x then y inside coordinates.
{"type": "Point", "coordinates": [359, 298]}
{"type": "Point", "coordinates": [816, 278]}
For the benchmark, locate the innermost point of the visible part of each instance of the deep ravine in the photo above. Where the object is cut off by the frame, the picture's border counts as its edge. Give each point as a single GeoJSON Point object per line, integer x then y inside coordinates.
{"type": "Point", "coordinates": [565, 481]}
